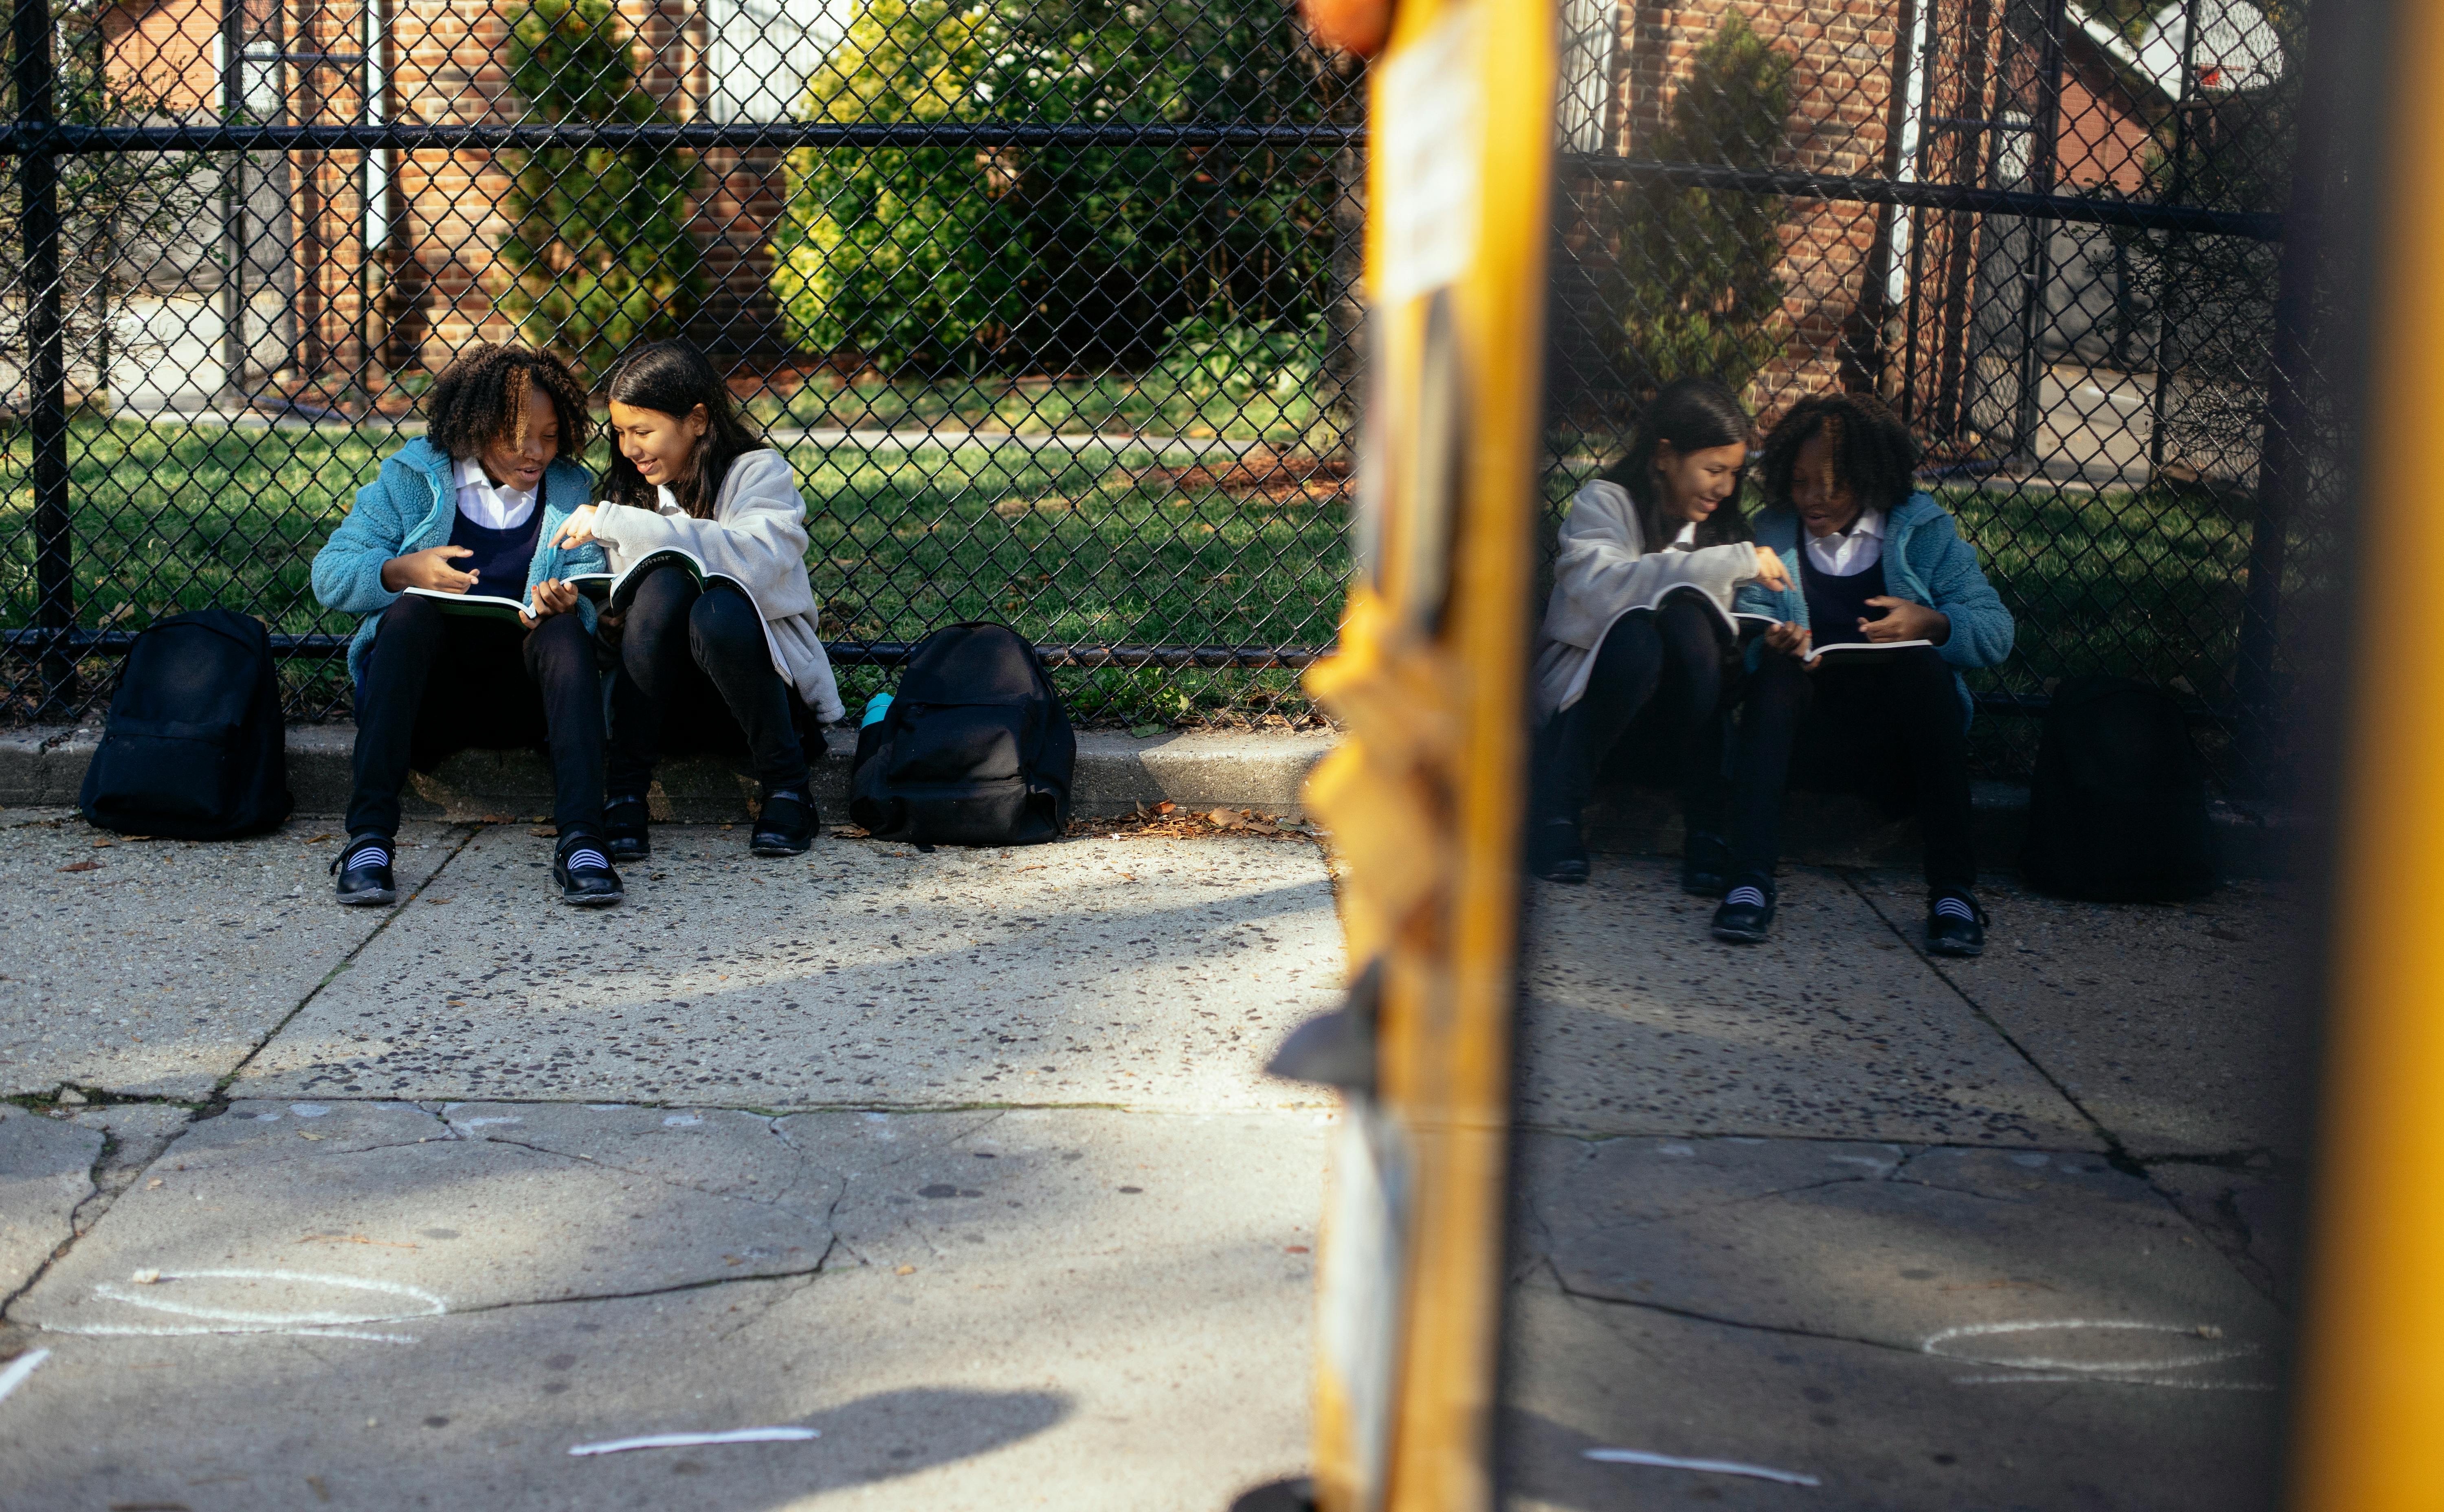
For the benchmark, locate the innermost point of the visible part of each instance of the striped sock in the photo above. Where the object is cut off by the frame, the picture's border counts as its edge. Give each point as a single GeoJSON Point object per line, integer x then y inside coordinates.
{"type": "Point", "coordinates": [586, 859]}
{"type": "Point", "coordinates": [1744, 896]}
{"type": "Point", "coordinates": [1952, 906]}
{"type": "Point", "coordinates": [366, 853]}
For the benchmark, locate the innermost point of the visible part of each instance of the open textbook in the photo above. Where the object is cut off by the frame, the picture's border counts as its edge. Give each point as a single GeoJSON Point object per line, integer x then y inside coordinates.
{"type": "Point", "coordinates": [1844, 648]}
{"type": "Point", "coordinates": [480, 605]}
{"type": "Point", "coordinates": [615, 591]}
{"type": "Point", "coordinates": [1743, 624]}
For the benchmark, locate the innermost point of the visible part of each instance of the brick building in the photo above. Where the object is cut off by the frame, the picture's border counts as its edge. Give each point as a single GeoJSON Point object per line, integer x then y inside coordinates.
{"type": "Point", "coordinates": [357, 263]}
{"type": "Point", "coordinates": [1908, 301]}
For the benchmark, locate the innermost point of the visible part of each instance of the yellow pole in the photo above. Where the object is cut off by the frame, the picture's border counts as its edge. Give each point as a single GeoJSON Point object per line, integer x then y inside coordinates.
{"type": "Point", "coordinates": [2370, 1423]}
{"type": "Point", "coordinates": [1423, 798]}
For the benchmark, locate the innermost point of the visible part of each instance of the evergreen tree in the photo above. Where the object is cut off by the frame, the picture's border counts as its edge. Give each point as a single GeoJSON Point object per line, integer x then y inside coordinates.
{"type": "Point", "coordinates": [599, 243]}
{"type": "Point", "coordinates": [1703, 296]}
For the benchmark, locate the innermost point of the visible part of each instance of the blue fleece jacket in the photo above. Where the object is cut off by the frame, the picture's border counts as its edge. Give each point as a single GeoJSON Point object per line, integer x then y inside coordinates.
{"type": "Point", "coordinates": [1925, 562]}
{"type": "Point", "coordinates": [411, 507]}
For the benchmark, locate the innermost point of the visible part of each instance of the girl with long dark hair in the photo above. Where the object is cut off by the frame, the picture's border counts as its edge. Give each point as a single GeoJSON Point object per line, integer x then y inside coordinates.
{"type": "Point", "coordinates": [711, 664]}
{"type": "Point", "coordinates": [1650, 557]}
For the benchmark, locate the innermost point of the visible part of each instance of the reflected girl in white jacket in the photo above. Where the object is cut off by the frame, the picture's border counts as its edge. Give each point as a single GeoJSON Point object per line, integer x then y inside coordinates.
{"type": "Point", "coordinates": [1640, 620]}
{"type": "Point", "coordinates": [711, 667]}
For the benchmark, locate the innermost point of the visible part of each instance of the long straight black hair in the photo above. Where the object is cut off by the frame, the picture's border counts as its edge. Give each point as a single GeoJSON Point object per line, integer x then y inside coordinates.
{"type": "Point", "coordinates": [673, 378]}
{"type": "Point", "coordinates": [1695, 414]}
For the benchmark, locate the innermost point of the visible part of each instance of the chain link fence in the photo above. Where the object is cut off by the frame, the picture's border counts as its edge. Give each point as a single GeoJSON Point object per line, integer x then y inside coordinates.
{"type": "Point", "coordinates": [2050, 234]}
{"type": "Point", "coordinates": [1052, 305]}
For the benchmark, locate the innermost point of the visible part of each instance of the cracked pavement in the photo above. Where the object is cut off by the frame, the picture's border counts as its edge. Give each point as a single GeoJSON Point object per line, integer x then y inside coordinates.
{"type": "Point", "coordinates": [2003, 1233]}
{"type": "Point", "coordinates": [963, 1160]}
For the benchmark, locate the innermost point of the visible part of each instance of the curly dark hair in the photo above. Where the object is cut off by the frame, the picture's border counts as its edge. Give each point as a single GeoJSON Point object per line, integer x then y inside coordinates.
{"type": "Point", "coordinates": [1872, 453]}
{"type": "Point", "coordinates": [481, 398]}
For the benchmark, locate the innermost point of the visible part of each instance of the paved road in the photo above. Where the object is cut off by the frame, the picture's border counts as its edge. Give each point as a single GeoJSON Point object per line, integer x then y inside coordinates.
{"type": "Point", "coordinates": [962, 1160]}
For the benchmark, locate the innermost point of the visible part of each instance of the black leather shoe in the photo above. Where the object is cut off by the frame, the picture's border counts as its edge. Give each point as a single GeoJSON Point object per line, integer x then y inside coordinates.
{"type": "Point", "coordinates": [1554, 852]}
{"type": "Point", "coordinates": [1955, 925]}
{"type": "Point", "coordinates": [364, 869]}
{"type": "Point", "coordinates": [1705, 865]}
{"type": "Point", "coordinates": [584, 873]}
{"type": "Point", "coordinates": [1746, 916]}
{"type": "Point", "coordinates": [787, 824]}
{"type": "Point", "coordinates": [623, 830]}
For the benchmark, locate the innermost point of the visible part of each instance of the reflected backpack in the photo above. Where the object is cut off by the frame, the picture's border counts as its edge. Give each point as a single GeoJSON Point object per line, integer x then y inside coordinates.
{"type": "Point", "coordinates": [2118, 811]}
{"type": "Point", "coordinates": [974, 748]}
{"type": "Point", "coordinates": [195, 748]}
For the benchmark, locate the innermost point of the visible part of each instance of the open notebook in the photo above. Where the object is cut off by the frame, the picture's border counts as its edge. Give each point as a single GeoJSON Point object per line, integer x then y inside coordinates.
{"type": "Point", "coordinates": [1741, 625]}
{"type": "Point", "coordinates": [614, 591]}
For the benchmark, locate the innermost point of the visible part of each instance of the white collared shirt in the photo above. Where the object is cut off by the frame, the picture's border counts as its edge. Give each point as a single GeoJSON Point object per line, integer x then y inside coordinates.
{"type": "Point", "coordinates": [485, 502]}
{"type": "Point", "coordinates": [1848, 553]}
{"type": "Point", "coordinates": [1686, 540]}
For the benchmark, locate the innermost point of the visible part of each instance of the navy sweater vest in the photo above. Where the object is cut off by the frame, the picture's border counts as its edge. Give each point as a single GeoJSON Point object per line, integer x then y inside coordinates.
{"type": "Point", "coordinates": [1835, 605]}
{"type": "Point", "coordinates": [501, 557]}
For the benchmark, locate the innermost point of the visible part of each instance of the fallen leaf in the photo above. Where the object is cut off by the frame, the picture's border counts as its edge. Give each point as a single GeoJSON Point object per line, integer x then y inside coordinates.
{"type": "Point", "coordinates": [150, 1185]}
{"type": "Point", "coordinates": [83, 866]}
{"type": "Point", "coordinates": [316, 840]}
{"type": "Point", "coordinates": [905, 1270]}
{"type": "Point", "coordinates": [546, 831]}
{"type": "Point", "coordinates": [103, 845]}
{"type": "Point", "coordinates": [1165, 806]}
{"type": "Point", "coordinates": [496, 818]}
{"type": "Point", "coordinates": [303, 1135]}
{"type": "Point", "coordinates": [146, 1278]}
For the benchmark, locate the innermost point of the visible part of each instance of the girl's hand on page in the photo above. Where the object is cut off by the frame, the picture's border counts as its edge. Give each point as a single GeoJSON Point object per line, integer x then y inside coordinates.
{"type": "Point", "coordinates": [1791, 640]}
{"type": "Point", "coordinates": [1904, 621]}
{"type": "Point", "coordinates": [427, 569]}
{"type": "Point", "coordinates": [551, 596]}
{"type": "Point", "coordinates": [577, 529]}
{"type": "Point", "coordinates": [1770, 573]}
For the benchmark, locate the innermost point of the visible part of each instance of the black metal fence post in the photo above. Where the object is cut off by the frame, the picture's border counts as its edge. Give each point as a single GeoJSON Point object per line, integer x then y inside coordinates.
{"type": "Point", "coordinates": [36, 81]}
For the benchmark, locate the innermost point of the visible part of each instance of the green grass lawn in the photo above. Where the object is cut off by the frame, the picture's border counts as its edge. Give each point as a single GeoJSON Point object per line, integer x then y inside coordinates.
{"type": "Point", "coordinates": [1107, 548]}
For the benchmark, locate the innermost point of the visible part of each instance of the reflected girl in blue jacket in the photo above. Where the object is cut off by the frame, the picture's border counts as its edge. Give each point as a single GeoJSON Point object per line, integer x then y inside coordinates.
{"type": "Point", "coordinates": [1872, 563]}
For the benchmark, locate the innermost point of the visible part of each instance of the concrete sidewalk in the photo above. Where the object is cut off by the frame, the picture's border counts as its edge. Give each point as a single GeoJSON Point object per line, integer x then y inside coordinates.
{"type": "Point", "coordinates": [2007, 1232]}
{"type": "Point", "coordinates": [962, 1160]}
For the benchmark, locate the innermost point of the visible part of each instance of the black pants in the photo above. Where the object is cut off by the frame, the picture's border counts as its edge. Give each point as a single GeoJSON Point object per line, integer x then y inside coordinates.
{"type": "Point", "coordinates": [1889, 726]}
{"type": "Point", "coordinates": [1679, 651]}
{"type": "Point", "coordinates": [440, 683]}
{"type": "Point", "coordinates": [693, 657]}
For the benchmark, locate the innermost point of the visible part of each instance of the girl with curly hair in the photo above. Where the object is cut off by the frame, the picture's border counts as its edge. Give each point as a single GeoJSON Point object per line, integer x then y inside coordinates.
{"type": "Point", "coordinates": [1871, 562]}
{"type": "Point", "coordinates": [474, 506]}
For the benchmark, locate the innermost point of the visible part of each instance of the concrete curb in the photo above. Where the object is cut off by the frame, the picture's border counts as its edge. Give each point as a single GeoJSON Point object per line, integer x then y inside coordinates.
{"type": "Point", "coordinates": [1115, 773]}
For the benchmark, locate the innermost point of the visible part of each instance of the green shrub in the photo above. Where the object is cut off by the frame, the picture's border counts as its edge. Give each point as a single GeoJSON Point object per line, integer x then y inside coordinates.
{"type": "Point", "coordinates": [599, 244]}
{"type": "Point", "coordinates": [1051, 258]}
{"type": "Point", "coordinates": [1703, 298]}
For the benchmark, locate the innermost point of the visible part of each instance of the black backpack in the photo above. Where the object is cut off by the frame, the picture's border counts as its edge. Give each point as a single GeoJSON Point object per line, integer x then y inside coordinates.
{"type": "Point", "coordinates": [195, 748]}
{"type": "Point", "coordinates": [2118, 813]}
{"type": "Point", "coordinates": [975, 749]}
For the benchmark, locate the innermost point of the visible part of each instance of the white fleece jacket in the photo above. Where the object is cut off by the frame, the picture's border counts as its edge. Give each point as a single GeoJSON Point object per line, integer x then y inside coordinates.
{"type": "Point", "coordinates": [757, 534]}
{"type": "Point", "coordinates": [1606, 569]}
